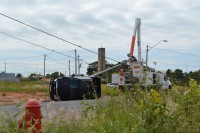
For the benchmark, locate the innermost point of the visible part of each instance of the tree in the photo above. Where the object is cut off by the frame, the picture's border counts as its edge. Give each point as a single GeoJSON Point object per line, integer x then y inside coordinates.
{"type": "Point", "coordinates": [32, 77]}
{"type": "Point", "coordinates": [48, 75]}
{"type": "Point", "coordinates": [195, 75]}
{"type": "Point", "coordinates": [92, 68]}
{"type": "Point", "coordinates": [55, 75]}
{"type": "Point", "coordinates": [178, 74]}
{"type": "Point", "coordinates": [19, 75]}
{"type": "Point", "coordinates": [178, 77]}
{"type": "Point", "coordinates": [168, 73]}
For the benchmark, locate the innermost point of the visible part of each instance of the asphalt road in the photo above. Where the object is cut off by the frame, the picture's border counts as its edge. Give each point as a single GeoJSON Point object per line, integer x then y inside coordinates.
{"type": "Point", "coordinates": [49, 109]}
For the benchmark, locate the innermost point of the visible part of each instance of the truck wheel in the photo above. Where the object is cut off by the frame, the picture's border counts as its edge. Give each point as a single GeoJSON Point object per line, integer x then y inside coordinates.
{"type": "Point", "coordinates": [170, 87]}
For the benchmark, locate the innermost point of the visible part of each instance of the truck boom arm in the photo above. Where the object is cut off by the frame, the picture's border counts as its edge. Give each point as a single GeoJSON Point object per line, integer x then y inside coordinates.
{"type": "Point", "coordinates": [109, 69]}
{"type": "Point", "coordinates": [136, 31]}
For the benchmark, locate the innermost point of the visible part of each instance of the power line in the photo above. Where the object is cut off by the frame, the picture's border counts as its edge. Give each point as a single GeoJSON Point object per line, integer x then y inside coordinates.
{"type": "Point", "coordinates": [169, 64]}
{"type": "Point", "coordinates": [22, 57]}
{"type": "Point", "coordinates": [79, 46]}
{"type": "Point", "coordinates": [50, 53]}
{"type": "Point", "coordinates": [178, 52]}
{"type": "Point", "coordinates": [174, 64]}
{"type": "Point", "coordinates": [28, 68]}
{"type": "Point", "coordinates": [20, 66]}
{"type": "Point", "coordinates": [25, 67]}
{"type": "Point", "coordinates": [24, 63]}
{"type": "Point", "coordinates": [26, 41]}
{"type": "Point", "coordinates": [38, 45]}
{"type": "Point", "coordinates": [56, 61]}
{"type": "Point", "coordinates": [72, 51]}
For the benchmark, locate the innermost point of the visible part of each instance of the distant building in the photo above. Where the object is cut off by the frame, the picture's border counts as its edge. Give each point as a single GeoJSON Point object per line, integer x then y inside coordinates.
{"type": "Point", "coordinates": [7, 77]}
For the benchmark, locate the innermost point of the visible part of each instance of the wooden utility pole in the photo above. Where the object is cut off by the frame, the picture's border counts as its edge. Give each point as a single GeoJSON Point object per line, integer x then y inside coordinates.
{"type": "Point", "coordinates": [79, 65]}
{"type": "Point", "coordinates": [75, 62]}
{"type": "Point", "coordinates": [44, 63]}
{"type": "Point", "coordinates": [69, 67]}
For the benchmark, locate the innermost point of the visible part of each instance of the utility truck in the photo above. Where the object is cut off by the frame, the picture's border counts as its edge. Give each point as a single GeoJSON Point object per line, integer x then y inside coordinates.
{"type": "Point", "coordinates": [143, 74]}
{"type": "Point", "coordinates": [138, 69]}
{"type": "Point", "coordinates": [76, 88]}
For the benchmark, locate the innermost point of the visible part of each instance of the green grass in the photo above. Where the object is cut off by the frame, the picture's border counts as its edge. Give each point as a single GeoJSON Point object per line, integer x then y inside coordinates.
{"type": "Point", "coordinates": [37, 86]}
{"type": "Point", "coordinates": [23, 86]}
{"type": "Point", "coordinates": [109, 91]}
{"type": "Point", "coordinates": [132, 112]}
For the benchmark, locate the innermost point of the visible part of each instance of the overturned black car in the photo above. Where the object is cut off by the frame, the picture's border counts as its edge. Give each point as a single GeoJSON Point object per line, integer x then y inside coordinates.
{"type": "Point", "coordinates": [75, 88]}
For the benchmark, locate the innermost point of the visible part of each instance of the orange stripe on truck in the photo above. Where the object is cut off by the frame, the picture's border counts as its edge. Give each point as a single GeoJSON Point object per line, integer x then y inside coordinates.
{"type": "Point", "coordinates": [136, 66]}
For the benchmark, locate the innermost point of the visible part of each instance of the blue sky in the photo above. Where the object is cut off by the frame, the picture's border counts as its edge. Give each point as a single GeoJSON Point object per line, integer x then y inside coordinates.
{"type": "Point", "coordinates": [93, 24]}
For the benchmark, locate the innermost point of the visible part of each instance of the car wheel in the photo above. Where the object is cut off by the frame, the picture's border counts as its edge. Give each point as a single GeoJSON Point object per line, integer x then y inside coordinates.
{"type": "Point", "coordinates": [170, 87]}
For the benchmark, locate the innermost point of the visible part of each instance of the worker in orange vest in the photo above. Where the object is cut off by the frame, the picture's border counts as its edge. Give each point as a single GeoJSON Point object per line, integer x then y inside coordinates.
{"type": "Point", "coordinates": [121, 80]}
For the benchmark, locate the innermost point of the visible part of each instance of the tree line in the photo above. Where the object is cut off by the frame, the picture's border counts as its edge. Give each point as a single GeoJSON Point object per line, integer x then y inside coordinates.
{"type": "Point", "coordinates": [177, 77]}
{"type": "Point", "coordinates": [180, 78]}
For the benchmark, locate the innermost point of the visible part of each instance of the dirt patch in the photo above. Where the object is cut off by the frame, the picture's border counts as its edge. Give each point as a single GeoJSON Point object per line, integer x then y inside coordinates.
{"type": "Point", "coordinates": [11, 98]}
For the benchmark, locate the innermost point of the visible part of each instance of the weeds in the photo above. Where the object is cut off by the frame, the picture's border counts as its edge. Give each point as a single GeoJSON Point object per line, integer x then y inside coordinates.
{"type": "Point", "coordinates": [134, 111]}
{"type": "Point", "coordinates": [23, 86]}
{"type": "Point", "coordinates": [111, 91]}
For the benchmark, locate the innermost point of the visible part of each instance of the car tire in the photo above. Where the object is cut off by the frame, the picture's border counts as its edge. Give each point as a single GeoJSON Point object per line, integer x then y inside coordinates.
{"type": "Point", "coordinates": [170, 87]}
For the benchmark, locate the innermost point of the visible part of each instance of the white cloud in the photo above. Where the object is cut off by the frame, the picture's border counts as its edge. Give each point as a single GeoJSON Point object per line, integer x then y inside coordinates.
{"type": "Point", "coordinates": [94, 23]}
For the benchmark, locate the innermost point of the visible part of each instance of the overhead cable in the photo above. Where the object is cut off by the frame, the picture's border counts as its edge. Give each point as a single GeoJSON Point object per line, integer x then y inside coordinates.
{"type": "Point", "coordinates": [38, 45]}
{"type": "Point", "coordinates": [56, 61]}
{"type": "Point", "coordinates": [179, 65]}
{"type": "Point", "coordinates": [22, 57]}
{"type": "Point", "coordinates": [79, 46]}
{"type": "Point", "coordinates": [178, 52]}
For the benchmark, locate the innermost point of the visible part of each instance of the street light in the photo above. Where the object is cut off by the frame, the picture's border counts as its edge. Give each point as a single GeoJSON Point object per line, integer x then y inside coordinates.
{"type": "Point", "coordinates": [148, 49]}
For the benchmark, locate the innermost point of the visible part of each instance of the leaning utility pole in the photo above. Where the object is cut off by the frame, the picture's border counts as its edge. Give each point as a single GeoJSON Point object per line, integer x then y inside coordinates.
{"type": "Point", "coordinates": [44, 63]}
{"type": "Point", "coordinates": [75, 63]}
